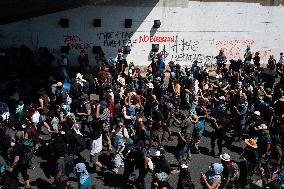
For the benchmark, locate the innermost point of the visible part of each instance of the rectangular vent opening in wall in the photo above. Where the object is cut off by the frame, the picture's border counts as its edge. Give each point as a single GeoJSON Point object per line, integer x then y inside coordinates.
{"type": "Point", "coordinates": [155, 47]}
{"type": "Point", "coordinates": [64, 22]}
{"type": "Point", "coordinates": [97, 49]}
{"type": "Point", "coordinates": [97, 23]}
{"type": "Point", "coordinates": [157, 23]}
{"type": "Point", "coordinates": [128, 23]}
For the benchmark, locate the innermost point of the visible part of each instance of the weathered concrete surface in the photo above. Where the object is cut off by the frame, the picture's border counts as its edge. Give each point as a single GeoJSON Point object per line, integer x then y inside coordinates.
{"type": "Point", "coordinates": [189, 31]}
{"type": "Point", "coordinates": [15, 10]}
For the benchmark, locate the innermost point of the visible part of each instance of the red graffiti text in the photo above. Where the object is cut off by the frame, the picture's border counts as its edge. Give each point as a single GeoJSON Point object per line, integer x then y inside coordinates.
{"type": "Point", "coordinates": [156, 39]}
{"type": "Point", "coordinates": [74, 42]}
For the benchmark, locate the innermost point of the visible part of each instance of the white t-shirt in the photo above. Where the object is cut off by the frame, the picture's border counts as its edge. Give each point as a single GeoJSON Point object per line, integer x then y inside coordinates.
{"type": "Point", "coordinates": [35, 117]}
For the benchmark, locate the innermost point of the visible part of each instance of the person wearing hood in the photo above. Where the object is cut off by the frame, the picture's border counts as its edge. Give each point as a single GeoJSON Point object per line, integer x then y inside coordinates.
{"type": "Point", "coordinates": [212, 178]}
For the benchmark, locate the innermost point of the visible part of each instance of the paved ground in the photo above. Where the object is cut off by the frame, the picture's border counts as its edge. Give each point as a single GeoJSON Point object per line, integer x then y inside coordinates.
{"type": "Point", "coordinates": [200, 162]}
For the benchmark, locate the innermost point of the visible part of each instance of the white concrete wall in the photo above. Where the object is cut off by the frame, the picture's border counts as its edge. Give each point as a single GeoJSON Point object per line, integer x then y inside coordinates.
{"type": "Point", "coordinates": [196, 31]}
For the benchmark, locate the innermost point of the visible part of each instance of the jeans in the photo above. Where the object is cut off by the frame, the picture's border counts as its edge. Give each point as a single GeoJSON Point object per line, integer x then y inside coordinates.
{"type": "Point", "coordinates": [184, 153]}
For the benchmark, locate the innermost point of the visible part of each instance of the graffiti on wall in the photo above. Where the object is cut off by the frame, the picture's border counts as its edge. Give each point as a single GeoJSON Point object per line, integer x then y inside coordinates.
{"type": "Point", "coordinates": [156, 39]}
{"type": "Point", "coordinates": [177, 49]}
{"type": "Point", "coordinates": [119, 39]}
{"type": "Point", "coordinates": [187, 51]}
{"type": "Point", "coordinates": [75, 42]}
{"type": "Point", "coordinates": [116, 39]}
{"type": "Point", "coordinates": [235, 49]}
{"type": "Point", "coordinates": [264, 54]}
{"type": "Point", "coordinates": [225, 43]}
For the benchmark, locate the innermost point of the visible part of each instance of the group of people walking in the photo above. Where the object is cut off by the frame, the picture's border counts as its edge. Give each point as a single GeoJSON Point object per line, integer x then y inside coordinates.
{"type": "Point", "coordinates": [117, 111]}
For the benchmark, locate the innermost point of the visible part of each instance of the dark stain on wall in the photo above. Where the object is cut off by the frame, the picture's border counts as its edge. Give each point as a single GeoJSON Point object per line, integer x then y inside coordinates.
{"type": "Point", "coordinates": [15, 10]}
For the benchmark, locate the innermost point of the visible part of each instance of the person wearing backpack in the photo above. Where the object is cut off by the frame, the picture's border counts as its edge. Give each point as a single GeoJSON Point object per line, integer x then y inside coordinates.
{"type": "Point", "coordinates": [19, 163]}
{"type": "Point", "coordinates": [231, 172]}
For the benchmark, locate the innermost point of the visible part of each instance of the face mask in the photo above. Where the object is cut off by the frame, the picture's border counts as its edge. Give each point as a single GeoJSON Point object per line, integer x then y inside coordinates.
{"type": "Point", "coordinates": [12, 144]}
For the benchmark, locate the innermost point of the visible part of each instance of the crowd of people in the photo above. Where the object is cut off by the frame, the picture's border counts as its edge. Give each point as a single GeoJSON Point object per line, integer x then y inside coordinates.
{"type": "Point", "coordinates": [115, 109]}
